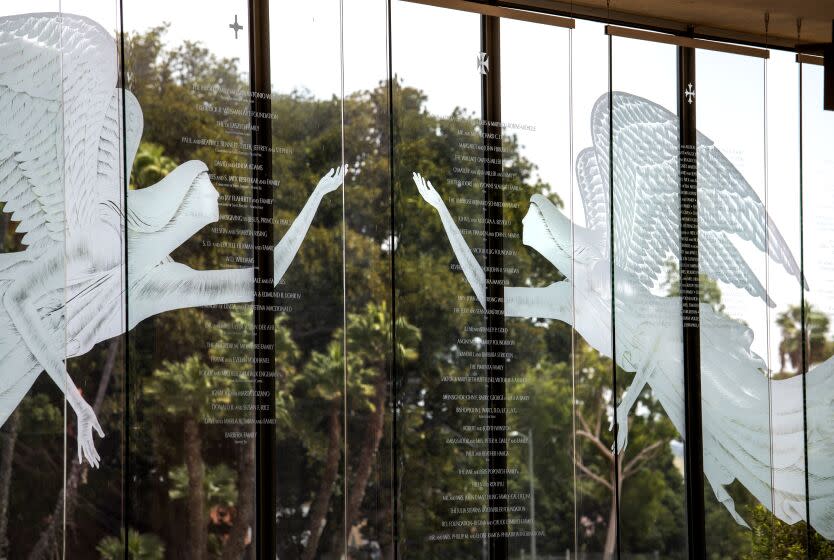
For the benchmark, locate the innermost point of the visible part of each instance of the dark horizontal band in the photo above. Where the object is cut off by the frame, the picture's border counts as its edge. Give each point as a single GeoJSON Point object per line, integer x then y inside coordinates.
{"type": "Point", "coordinates": [665, 38]}
{"type": "Point", "coordinates": [508, 13]}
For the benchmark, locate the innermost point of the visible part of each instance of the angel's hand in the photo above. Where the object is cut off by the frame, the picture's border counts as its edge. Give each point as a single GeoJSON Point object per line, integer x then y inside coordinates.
{"type": "Point", "coordinates": [428, 192]}
{"type": "Point", "coordinates": [332, 180]}
{"type": "Point", "coordinates": [622, 429]}
{"type": "Point", "coordinates": [87, 422]}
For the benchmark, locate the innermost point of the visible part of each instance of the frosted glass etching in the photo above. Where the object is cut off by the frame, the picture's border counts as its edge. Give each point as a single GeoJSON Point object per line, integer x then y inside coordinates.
{"type": "Point", "coordinates": [737, 444]}
{"type": "Point", "coordinates": [61, 179]}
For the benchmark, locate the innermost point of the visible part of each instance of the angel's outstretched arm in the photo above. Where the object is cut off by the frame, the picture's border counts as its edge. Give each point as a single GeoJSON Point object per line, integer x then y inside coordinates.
{"type": "Point", "coordinates": [46, 275]}
{"type": "Point", "coordinates": [172, 285]}
{"type": "Point", "coordinates": [550, 302]}
{"type": "Point", "coordinates": [287, 248]}
{"type": "Point", "coordinates": [472, 270]}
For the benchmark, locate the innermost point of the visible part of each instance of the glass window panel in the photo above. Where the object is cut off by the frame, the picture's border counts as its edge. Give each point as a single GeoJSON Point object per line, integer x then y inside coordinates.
{"type": "Point", "coordinates": [734, 239]}
{"type": "Point", "coordinates": [818, 248]}
{"type": "Point", "coordinates": [783, 202]}
{"type": "Point", "coordinates": [306, 50]}
{"type": "Point", "coordinates": [313, 465]}
{"type": "Point", "coordinates": [591, 367]}
{"type": "Point", "coordinates": [38, 437]}
{"type": "Point", "coordinates": [441, 469]}
{"type": "Point", "coordinates": [647, 293]}
{"type": "Point", "coordinates": [536, 192]}
{"type": "Point", "coordinates": [191, 360]}
{"type": "Point", "coordinates": [94, 497]}
{"type": "Point", "coordinates": [369, 252]}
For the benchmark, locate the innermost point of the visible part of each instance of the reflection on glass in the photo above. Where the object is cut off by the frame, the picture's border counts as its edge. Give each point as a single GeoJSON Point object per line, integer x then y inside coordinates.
{"type": "Point", "coordinates": [443, 480]}
{"type": "Point", "coordinates": [395, 389]}
{"type": "Point", "coordinates": [368, 260]}
{"type": "Point", "coordinates": [314, 428]}
{"type": "Point", "coordinates": [189, 365]}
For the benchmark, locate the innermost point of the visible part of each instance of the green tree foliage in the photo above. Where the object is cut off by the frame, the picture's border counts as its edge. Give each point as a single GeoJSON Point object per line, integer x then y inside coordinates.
{"type": "Point", "coordinates": [219, 485]}
{"type": "Point", "coordinates": [139, 546]}
{"type": "Point", "coordinates": [773, 538]}
{"type": "Point", "coordinates": [150, 166]}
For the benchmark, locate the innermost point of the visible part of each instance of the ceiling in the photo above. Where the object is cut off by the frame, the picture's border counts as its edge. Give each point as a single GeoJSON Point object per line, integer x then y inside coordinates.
{"type": "Point", "coordinates": [738, 19]}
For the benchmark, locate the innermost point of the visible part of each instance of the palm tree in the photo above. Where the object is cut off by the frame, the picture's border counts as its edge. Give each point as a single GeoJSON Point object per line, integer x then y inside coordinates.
{"type": "Point", "coordinates": [286, 356]}
{"type": "Point", "coordinates": [817, 346]}
{"type": "Point", "coordinates": [139, 546]}
{"type": "Point", "coordinates": [324, 377]}
{"type": "Point", "coordinates": [180, 391]}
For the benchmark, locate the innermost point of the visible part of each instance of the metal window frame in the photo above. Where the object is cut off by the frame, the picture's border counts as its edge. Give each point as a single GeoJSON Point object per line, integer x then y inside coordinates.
{"type": "Point", "coordinates": [802, 58]}
{"type": "Point", "coordinates": [266, 462]}
{"type": "Point", "coordinates": [686, 42]}
{"type": "Point", "coordinates": [489, 10]}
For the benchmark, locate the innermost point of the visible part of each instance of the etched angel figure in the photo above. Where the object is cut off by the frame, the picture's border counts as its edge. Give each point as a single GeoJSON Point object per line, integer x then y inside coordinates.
{"type": "Point", "coordinates": [61, 178]}
{"type": "Point", "coordinates": [747, 435]}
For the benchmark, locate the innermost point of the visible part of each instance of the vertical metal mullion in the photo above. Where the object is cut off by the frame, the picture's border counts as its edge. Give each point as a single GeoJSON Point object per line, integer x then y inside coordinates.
{"type": "Point", "coordinates": [125, 450]}
{"type": "Point", "coordinates": [494, 262]}
{"type": "Point", "coordinates": [615, 465]}
{"type": "Point", "coordinates": [264, 314]}
{"type": "Point", "coordinates": [809, 541]}
{"type": "Point", "coordinates": [395, 379]}
{"type": "Point", "coordinates": [690, 301]}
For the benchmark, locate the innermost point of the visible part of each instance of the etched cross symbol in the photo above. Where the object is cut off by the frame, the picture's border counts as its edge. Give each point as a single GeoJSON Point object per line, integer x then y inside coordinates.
{"type": "Point", "coordinates": [236, 26]}
{"type": "Point", "coordinates": [689, 93]}
{"type": "Point", "coordinates": [483, 63]}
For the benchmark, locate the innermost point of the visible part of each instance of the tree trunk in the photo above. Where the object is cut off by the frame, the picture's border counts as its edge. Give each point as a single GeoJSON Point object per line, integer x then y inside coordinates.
{"type": "Point", "coordinates": [237, 543]}
{"type": "Point", "coordinates": [6, 463]}
{"type": "Point", "coordinates": [318, 511]}
{"type": "Point", "coordinates": [197, 518]}
{"type": "Point", "coordinates": [376, 425]}
{"type": "Point", "coordinates": [48, 543]}
{"type": "Point", "coordinates": [387, 543]}
{"type": "Point", "coordinates": [611, 536]}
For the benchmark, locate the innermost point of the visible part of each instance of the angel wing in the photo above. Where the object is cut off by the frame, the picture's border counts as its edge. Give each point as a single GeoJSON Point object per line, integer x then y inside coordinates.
{"type": "Point", "coordinates": [646, 197]}
{"type": "Point", "coordinates": [59, 145]}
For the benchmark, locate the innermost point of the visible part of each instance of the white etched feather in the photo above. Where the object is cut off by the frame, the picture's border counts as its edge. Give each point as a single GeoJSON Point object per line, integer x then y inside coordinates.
{"type": "Point", "coordinates": [57, 79]}
{"type": "Point", "coordinates": [646, 197]}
